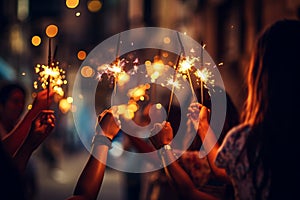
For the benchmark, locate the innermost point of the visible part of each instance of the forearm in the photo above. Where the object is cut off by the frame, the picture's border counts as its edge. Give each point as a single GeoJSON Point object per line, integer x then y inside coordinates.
{"type": "Point", "coordinates": [21, 158]}
{"type": "Point", "coordinates": [181, 180]}
{"type": "Point", "coordinates": [211, 146]}
{"type": "Point", "coordinates": [16, 137]}
{"type": "Point", "coordinates": [91, 178]}
{"type": "Point", "coordinates": [141, 145]}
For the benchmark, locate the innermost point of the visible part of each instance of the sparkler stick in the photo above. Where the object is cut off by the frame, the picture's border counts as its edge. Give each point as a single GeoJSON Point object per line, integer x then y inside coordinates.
{"type": "Point", "coordinates": [51, 32]}
{"type": "Point", "coordinates": [187, 70]}
{"type": "Point", "coordinates": [49, 65]}
{"type": "Point", "coordinates": [117, 62]}
{"type": "Point", "coordinates": [175, 74]}
{"type": "Point", "coordinates": [201, 81]}
{"type": "Point", "coordinates": [173, 86]}
{"type": "Point", "coordinates": [191, 84]}
{"type": "Point", "coordinates": [50, 75]}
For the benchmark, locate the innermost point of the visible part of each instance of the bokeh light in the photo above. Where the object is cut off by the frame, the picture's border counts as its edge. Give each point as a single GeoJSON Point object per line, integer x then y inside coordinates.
{"type": "Point", "coordinates": [94, 5]}
{"type": "Point", "coordinates": [51, 30]}
{"type": "Point", "coordinates": [81, 55]}
{"type": "Point", "coordinates": [36, 40]}
{"type": "Point", "coordinates": [72, 3]}
{"type": "Point", "coordinates": [87, 71]}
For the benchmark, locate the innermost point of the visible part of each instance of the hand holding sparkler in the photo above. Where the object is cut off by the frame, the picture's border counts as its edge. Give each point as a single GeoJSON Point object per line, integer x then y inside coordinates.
{"type": "Point", "coordinates": [109, 124]}
{"type": "Point", "coordinates": [43, 99]}
{"type": "Point", "coordinates": [196, 113]}
{"type": "Point", "coordinates": [106, 81]}
{"type": "Point", "coordinates": [41, 127]}
{"type": "Point", "coordinates": [162, 134]}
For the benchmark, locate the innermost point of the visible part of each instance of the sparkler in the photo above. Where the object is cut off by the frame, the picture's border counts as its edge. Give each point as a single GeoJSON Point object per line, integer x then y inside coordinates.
{"type": "Point", "coordinates": [205, 78]}
{"type": "Point", "coordinates": [115, 70]}
{"type": "Point", "coordinates": [173, 85]}
{"type": "Point", "coordinates": [117, 67]}
{"type": "Point", "coordinates": [50, 66]}
{"type": "Point", "coordinates": [51, 75]}
{"type": "Point", "coordinates": [201, 77]}
{"type": "Point", "coordinates": [203, 74]}
{"type": "Point", "coordinates": [183, 66]}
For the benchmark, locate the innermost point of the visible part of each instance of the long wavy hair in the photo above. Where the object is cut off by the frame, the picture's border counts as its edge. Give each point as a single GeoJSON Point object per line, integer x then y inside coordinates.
{"type": "Point", "coordinates": [272, 106]}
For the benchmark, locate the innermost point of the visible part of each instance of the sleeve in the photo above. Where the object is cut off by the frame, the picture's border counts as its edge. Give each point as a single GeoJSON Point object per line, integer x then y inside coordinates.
{"type": "Point", "coordinates": [231, 147]}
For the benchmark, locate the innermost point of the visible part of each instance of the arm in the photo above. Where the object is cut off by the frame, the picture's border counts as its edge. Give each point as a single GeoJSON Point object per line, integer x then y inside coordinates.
{"type": "Point", "coordinates": [201, 113]}
{"type": "Point", "coordinates": [41, 127]}
{"type": "Point", "coordinates": [91, 178]}
{"type": "Point", "coordinates": [177, 176]}
{"type": "Point", "coordinates": [16, 137]}
{"type": "Point", "coordinates": [141, 145]}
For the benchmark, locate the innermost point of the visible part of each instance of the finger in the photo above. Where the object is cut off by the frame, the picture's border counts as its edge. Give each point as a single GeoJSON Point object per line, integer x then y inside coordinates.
{"type": "Point", "coordinates": [168, 126]}
{"type": "Point", "coordinates": [112, 81]}
{"type": "Point", "coordinates": [51, 119]}
{"type": "Point", "coordinates": [51, 92]}
{"type": "Point", "coordinates": [195, 105]}
{"type": "Point", "coordinates": [100, 117]}
{"type": "Point", "coordinates": [49, 128]}
{"type": "Point", "coordinates": [104, 77]}
{"type": "Point", "coordinates": [204, 113]}
{"type": "Point", "coordinates": [190, 109]}
{"type": "Point", "coordinates": [156, 128]}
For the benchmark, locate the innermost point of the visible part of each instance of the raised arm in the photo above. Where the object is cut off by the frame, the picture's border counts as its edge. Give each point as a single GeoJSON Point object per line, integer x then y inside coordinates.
{"type": "Point", "coordinates": [16, 137]}
{"type": "Point", "coordinates": [176, 174]}
{"type": "Point", "coordinates": [200, 114]}
{"type": "Point", "coordinates": [91, 177]}
{"type": "Point", "coordinates": [40, 129]}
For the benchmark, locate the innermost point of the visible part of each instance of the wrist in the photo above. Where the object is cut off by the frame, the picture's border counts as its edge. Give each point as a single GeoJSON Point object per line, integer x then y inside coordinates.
{"type": "Point", "coordinates": [164, 149]}
{"type": "Point", "coordinates": [102, 140]}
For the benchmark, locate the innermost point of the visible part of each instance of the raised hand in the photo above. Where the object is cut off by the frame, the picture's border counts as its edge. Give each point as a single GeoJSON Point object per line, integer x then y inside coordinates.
{"type": "Point", "coordinates": [108, 125]}
{"type": "Point", "coordinates": [42, 100]}
{"type": "Point", "coordinates": [41, 128]}
{"type": "Point", "coordinates": [106, 81]}
{"type": "Point", "coordinates": [199, 115]}
{"type": "Point", "coordinates": [162, 134]}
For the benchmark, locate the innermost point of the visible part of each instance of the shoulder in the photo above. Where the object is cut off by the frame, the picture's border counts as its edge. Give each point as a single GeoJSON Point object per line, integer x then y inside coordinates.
{"type": "Point", "coordinates": [237, 134]}
{"type": "Point", "coordinates": [232, 145]}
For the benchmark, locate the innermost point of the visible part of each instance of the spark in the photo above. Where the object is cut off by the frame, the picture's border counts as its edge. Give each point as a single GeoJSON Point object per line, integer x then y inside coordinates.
{"type": "Point", "coordinates": [205, 76]}
{"type": "Point", "coordinates": [116, 70]}
{"type": "Point", "coordinates": [186, 64]}
{"type": "Point", "coordinates": [52, 76]}
{"type": "Point", "coordinates": [174, 83]}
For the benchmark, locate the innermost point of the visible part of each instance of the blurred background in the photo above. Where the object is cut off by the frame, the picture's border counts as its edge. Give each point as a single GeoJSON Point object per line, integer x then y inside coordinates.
{"type": "Point", "coordinates": [227, 27]}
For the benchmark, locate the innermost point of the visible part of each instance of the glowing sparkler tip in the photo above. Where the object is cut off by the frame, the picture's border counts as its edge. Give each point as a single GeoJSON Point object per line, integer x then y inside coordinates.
{"type": "Point", "coordinates": [50, 76]}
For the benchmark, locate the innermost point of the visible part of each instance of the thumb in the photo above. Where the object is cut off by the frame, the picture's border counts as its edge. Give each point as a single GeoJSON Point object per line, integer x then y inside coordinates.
{"type": "Point", "coordinates": [204, 113]}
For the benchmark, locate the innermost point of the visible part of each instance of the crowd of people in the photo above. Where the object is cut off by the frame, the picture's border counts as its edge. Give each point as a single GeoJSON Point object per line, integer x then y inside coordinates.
{"type": "Point", "coordinates": [255, 157]}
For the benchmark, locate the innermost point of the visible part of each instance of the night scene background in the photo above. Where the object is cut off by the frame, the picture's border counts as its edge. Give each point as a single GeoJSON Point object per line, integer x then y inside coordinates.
{"type": "Point", "coordinates": [227, 27]}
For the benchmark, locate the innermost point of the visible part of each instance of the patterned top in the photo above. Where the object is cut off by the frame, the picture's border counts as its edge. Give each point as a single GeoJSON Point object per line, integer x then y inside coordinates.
{"type": "Point", "coordinates": [233, 158]}
{"type": "Point", "coordinates": [196, 165]}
